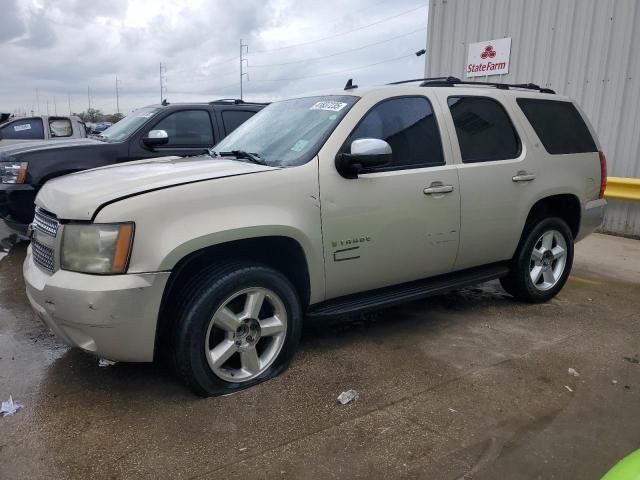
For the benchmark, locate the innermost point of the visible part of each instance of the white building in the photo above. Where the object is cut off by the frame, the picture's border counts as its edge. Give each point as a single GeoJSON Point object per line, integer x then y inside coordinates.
{"type": "Point", "coordinates": [586, 49]}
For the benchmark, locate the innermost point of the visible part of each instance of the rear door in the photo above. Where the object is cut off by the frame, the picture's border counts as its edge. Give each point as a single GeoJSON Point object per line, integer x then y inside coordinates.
{"type": "Point", "coordinates": [229, 120]}
{"type": "Point", "coordinates": [497, 175]}
{"type": "Point", "coordinates": [394, 223]}
{"type": "Point", "coordinates": [190, 133]}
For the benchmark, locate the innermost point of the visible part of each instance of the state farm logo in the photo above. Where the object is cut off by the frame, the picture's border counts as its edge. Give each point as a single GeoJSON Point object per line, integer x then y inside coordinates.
{"type": "Point", "coordinates": [488, 52]}
{"type": "Point", "coordinates": [488, 57]}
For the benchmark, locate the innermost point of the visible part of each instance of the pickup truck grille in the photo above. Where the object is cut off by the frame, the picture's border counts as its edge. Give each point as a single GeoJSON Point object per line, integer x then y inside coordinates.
{"type": "Point", "coordinates": [43, 256]}
{"type": "Point", "coordinates": [45, 223]}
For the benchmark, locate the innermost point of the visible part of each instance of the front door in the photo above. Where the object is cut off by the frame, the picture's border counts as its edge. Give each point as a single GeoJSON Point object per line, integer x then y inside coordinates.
{"type": "Point", "coordinates": [190, 133]}
{"type": "Point", "coordinates": [395, 223]}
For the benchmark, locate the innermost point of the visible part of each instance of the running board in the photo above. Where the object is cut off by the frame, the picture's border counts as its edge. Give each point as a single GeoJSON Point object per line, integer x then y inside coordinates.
{"type": "Point", "coordinates": [406, 292]}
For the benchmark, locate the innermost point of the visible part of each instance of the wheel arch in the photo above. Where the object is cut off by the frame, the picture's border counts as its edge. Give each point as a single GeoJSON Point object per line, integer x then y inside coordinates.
{"type": "Point", "coordinates": [566, 206]}
{"type": "Point", "coordinates": [280, 252]}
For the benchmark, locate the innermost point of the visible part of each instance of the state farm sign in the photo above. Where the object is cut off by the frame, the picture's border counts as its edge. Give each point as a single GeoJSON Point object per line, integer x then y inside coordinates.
{"type": "Point", "coordinates": [488, 58]}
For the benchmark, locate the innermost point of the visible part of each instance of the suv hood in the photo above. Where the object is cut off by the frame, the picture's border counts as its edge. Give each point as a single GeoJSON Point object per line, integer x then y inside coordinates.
{"type": "Point", "coordinates": [79, 195]}
{"type": "Point", "coordinates": [9, 151]}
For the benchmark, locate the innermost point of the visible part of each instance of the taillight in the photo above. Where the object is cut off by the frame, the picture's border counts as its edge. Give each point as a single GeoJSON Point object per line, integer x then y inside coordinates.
{"type": "Point", "coordinates": [603, 174]}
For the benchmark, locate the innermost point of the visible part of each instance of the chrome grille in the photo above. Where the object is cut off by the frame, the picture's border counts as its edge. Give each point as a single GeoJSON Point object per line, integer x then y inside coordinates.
{"type": "Point", "coordinates": [43, 256]}
{"type": "Point", "coordinates": [45, 223]}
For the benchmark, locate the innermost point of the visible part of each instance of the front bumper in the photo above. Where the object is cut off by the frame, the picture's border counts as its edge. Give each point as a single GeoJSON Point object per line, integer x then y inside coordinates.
{"type": "Point", "coordinates": [592, 217]}
{"type": "Point", "coordinates": [111, 316]}
{"type": "Point", "coordinates": [16, 205]}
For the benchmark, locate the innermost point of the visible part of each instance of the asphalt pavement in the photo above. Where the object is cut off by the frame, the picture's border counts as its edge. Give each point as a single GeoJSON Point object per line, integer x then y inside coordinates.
{"type": "Point", "coordinates": [470, 385]}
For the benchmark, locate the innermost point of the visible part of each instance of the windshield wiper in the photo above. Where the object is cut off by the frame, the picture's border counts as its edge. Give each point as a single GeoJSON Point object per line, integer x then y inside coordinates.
{"type": "Point", "coordinates": [240, 154]}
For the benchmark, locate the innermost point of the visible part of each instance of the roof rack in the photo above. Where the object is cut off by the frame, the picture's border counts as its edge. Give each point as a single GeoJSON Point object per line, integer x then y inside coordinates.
{"type": "Point", "coordinates": [235, 101]}
{"type": "Point", "coordinates": [421, 80]}
{"type": "Point", "coordinates": [451, 81]}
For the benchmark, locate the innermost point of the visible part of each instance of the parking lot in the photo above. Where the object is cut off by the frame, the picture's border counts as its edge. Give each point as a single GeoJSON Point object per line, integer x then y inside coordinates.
{"type": "Point", "coordinates": [465, 385]}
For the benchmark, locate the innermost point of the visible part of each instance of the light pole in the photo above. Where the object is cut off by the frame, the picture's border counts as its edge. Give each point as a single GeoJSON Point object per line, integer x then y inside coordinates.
{"type": "Point", "coordinates": [242, 60]}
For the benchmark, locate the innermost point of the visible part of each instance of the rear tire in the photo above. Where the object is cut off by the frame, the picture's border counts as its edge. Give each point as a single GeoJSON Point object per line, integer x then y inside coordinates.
{"type": "Point", "coordinates": [239, 325]}
{"type": "Point", "coordinates": [542, 263]}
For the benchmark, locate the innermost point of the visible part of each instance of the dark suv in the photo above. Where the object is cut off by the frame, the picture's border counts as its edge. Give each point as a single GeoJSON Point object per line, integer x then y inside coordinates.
{"type": "Point", "coordinates": [181, 129]}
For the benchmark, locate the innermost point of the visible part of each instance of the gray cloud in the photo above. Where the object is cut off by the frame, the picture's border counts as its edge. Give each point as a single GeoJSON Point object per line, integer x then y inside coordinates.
{"type": "Point", "coordinates": [63, 47]}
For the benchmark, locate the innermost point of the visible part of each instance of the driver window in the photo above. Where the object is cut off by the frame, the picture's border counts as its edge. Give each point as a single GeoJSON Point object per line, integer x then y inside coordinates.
{"type": "Point", "coordinates": [409, 126]}
{"type": "Point", "coordinates": [187, 128]}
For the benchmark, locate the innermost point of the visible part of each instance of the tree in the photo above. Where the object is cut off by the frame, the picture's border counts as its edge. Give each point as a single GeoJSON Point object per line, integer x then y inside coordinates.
{"type": "Point", "coordinates": [91, 115]}
{"type": "Point", "coordinates": [113, 117]}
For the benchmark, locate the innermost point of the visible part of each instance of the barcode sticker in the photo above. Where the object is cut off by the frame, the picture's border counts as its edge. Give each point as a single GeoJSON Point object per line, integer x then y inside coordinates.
{"type": "Point", "coordinates": [331, 106]}
{"type": "Point", "coordinates": [20, 128]}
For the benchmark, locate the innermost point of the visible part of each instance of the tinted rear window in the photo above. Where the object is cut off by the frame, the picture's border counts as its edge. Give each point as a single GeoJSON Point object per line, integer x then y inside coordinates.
{"type": "Point", "coordinates": [484, 129]}
{"type": "Point", "coordinates": [559, 126]}
{"type": "Point", "coordinates": [23, 129]}
{"type": "Point", "coordinates": [234, 118]}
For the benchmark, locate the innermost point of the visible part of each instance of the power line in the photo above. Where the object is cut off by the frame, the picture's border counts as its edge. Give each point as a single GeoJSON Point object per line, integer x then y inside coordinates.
{"type": "Point", "coordinates": [342, 33]}
{"type": "Point", "coordinates": [234, 59]}
{"type": "Point", "coordinates": [340, 71]}
{"type": "Point", "coordinates": [338, 53]}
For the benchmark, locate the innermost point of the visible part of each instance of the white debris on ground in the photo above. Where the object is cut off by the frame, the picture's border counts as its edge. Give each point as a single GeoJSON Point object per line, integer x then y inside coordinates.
{"type": "Point", "coordinates": [103, 362]}
{"type": "Point", "coordinates": [348, 396]}
{"type": "Point", "coordinates": [574, 372]}
{"type": "Point", "coordinates": [10, 407]}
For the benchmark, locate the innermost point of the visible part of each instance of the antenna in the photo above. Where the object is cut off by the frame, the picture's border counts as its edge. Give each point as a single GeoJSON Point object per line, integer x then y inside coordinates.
{"type": "Point", "coordinates": [350, 85]}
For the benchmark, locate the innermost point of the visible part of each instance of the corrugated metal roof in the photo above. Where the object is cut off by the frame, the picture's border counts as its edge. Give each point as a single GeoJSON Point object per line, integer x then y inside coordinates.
{"type": "Point", "coordinates": [586, 49]}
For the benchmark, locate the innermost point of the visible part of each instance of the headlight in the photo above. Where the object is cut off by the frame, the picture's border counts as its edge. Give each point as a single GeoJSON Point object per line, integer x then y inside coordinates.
{"type": "Point", "coordinates": [96, 248]}
{"type": "Point", "coordinates": [13, 172]}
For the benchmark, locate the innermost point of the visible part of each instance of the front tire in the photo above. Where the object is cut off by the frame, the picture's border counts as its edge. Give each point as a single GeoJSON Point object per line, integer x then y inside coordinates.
{"type": "Point", "coordinates": [239, 326]}
{"type": "Point", "coordinates": [542, 263]}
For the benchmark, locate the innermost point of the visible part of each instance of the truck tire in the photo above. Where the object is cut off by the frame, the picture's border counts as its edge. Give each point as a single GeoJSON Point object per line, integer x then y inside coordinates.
{"type": "Point", "coordinates": [542, 263]}
{"type": "Point", "coordinates": [238, 325]}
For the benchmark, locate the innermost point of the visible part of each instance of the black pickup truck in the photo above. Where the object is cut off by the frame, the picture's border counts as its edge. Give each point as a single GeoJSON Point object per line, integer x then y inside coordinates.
{"type": "Point", "coordinates": [182, 129]}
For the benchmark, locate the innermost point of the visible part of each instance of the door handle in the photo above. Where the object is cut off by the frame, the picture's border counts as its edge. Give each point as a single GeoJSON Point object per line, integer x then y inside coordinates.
{"type": "Point", "coordinates": [523, 176]}
{"type": "Point", "coordinates": [438, 189]}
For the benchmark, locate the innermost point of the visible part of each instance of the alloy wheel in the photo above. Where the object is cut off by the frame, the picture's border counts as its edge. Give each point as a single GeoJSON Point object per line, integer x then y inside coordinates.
{"type": "Point", "coordinates": [548, 260]}
{"type": "Point", "coordinates": [246, 334]}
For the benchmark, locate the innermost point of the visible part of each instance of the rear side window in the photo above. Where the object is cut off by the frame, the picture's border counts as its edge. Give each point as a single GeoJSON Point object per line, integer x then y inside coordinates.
{"type": "Point", "coordinates": [559, 126]}
{"type": "Point", "coordinates": [234, 118]}
{"type": "Point", "coordinates": [188, 128]}
{"type": "Point", "coordinates": [26, 129]}
{"type": "Point", "coordinates": [484, 129]}
{"type": "Point", "coordinates": [409, 126]}
{"type": "Point", "coordinates": [60, 127]}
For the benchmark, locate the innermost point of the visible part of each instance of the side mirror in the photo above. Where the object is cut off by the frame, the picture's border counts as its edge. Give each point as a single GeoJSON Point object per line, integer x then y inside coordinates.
{"type": "Point", "coordinates": [365, 153]}
{"type": "Point", "coordinates": [156, 138]}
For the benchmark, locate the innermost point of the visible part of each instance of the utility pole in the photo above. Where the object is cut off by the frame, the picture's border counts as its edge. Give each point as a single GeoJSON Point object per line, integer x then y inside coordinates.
{"type": "Point", "coordinates": [69, 99]}
{"type": "Point", "coordinates": [242, 60]}
{"type": "Point", "coordinates": [55, 107]}
{"type": "Point", "coordinates": [38, 101]}
{"type": "Point", "coordinates": [88, 99]}
{"type": "Point", "coordinates": [117, 96]}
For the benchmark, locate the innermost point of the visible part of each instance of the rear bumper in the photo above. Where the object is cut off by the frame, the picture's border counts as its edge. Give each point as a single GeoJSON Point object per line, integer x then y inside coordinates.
{"type": "Point", "coordinates": [592, 217]}
{"type": "Point", "coordinates": [111, 316]}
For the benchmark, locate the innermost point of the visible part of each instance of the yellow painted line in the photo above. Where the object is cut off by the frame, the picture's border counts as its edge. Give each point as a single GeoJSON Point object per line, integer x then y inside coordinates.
{"type": "Point", "coordinates": [620, 188]}
{"type": "Point", "coordinates": [585, 280]}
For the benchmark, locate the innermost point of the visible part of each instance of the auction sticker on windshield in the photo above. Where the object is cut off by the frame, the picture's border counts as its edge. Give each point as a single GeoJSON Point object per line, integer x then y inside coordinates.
{"type": "Point", "coordinates": [331, 106]}
{"type": "Point", "coordinates": [19, 128]}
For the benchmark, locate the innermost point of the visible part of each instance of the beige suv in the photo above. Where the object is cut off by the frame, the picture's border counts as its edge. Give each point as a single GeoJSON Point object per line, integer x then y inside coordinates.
{"type": "Point", "coordinates": [318, 206]}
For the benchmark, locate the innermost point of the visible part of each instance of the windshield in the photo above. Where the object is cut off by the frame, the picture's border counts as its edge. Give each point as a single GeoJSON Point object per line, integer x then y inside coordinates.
{"type": "Point", "coordinates": [128, 125]}
{"type": "Point", "coordinates": [290, 132]}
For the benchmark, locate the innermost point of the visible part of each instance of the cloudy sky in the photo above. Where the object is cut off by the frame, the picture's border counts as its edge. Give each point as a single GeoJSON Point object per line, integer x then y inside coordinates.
{"type": "Point", "coordinates": [62, 47]}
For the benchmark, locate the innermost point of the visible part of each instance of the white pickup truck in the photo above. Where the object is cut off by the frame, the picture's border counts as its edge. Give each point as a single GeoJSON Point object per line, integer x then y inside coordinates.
{"type": "Point", "coordinates": [28, 129]}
